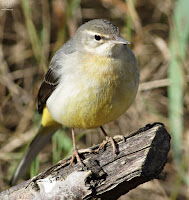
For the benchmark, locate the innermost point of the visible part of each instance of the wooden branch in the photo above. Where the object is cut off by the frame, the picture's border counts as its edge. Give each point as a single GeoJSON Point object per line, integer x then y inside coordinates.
{"type": "Point", "coordinates": [141, 157]}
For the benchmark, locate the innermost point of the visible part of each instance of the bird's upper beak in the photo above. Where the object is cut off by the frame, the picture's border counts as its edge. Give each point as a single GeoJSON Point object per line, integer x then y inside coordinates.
{"type": "Point", "coordinates": [119, 40]}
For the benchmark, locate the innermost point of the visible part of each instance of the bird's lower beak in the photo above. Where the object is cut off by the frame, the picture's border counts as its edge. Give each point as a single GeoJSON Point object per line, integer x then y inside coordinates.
{"type": "Point", "coordinates": [119, 40]}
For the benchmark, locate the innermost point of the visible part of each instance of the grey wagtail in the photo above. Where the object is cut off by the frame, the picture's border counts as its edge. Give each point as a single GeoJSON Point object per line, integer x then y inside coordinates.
{"type": "Point", "coordinates": [92, 80]}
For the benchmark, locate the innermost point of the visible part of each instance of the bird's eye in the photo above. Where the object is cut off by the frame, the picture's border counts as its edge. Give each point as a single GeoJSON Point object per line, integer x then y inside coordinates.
{"type": "Point", "coordinates": [98, 37]}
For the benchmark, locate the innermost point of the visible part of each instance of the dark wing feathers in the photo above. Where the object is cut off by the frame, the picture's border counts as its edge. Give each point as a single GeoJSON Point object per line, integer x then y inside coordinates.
{"type": "Point", "coordinates": [48, 85]}
{"type": "Point", "coordinates": [51, 79]}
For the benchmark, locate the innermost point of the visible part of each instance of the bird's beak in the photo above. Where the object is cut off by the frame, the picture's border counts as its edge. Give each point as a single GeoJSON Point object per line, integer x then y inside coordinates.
{"type": "Point", "coordinates": [119, 40]}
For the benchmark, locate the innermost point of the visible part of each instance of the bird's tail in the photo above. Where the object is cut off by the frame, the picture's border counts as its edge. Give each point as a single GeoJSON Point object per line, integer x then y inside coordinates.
{"type": "Point", "coordinates": [42, 138]}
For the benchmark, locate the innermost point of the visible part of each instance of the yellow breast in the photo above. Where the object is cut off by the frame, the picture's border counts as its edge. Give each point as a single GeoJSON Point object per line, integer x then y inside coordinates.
{"type": "Point", "coordinates": [104, 90]}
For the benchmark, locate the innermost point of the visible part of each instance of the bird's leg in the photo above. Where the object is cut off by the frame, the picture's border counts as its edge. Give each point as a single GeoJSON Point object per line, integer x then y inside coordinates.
{"type": "Point", "coordinates": [75, 151]}
{"type": "Point", "coordinates": [105, 141]}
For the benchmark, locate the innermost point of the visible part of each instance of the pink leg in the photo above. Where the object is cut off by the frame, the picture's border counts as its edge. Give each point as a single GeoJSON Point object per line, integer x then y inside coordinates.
{"type": "Point", "coordinates": [75, 151]}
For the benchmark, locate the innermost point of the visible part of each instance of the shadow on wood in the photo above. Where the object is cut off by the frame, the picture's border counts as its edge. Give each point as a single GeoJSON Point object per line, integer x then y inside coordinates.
{"type": "Point", "coordinates": [141, 157]}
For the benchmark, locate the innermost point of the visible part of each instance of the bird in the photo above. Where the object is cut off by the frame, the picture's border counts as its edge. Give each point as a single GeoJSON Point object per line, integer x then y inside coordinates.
{"type": "Point", "coordinates": [91, 80]}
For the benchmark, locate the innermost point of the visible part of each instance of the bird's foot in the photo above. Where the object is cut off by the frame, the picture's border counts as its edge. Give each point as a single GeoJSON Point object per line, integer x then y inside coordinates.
{"type": "Point", "coordinates": [120, 137]}
{"type": "Point", "coordinates": [108, 138]}
{"type": "Point", "coordinates": [75, 154]}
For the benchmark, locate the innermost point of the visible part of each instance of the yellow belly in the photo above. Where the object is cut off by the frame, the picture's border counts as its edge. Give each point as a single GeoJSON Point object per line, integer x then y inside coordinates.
{"type": "Point", "coordinates": [90, 113]}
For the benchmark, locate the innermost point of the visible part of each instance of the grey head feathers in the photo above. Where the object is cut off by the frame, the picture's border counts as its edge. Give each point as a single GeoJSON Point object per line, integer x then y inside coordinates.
{"type": "Point", "coordinates": [100, 26]}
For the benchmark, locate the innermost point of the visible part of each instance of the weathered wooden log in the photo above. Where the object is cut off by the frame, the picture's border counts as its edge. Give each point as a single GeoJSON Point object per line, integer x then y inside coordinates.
{"type": "Point", "coordinates": [141, 157]}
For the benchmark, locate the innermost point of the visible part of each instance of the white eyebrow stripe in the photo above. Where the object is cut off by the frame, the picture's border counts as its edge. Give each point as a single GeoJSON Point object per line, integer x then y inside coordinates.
{"type": "Point", "coordinates": [96, 33]}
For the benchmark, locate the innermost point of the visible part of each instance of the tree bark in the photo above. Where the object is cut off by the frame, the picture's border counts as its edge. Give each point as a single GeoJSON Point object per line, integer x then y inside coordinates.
{"type": "Point", "coordinates": [140, 157]}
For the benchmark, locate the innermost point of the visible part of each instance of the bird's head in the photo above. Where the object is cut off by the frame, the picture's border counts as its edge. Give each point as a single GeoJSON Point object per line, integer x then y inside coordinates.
{"type": "Point", "coordinates": [99, 37]}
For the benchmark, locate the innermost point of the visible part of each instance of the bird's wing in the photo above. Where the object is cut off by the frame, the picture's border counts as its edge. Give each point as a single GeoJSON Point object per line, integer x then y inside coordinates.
{"type": "Point", "coordinates": [48, 85]}
{"type": "Point", "coordinates": [53, 74]}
